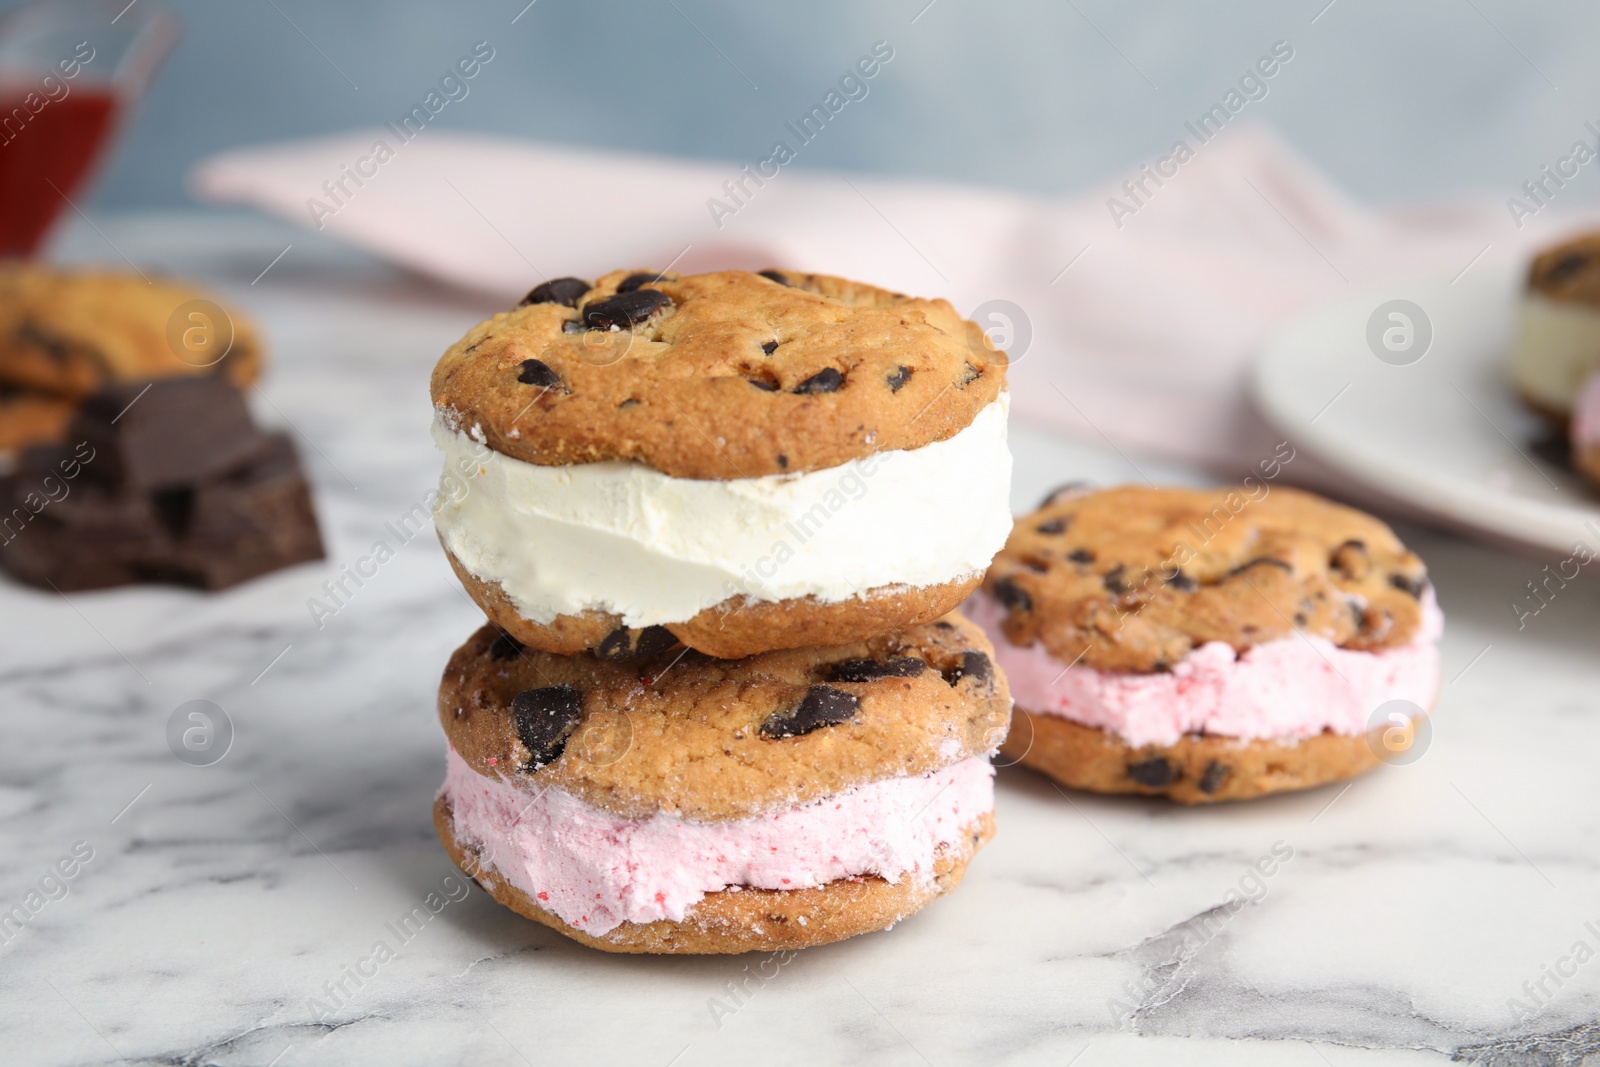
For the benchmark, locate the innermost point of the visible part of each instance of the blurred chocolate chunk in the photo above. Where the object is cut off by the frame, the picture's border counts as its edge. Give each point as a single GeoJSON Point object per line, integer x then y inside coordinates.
{"type": "Point", "coordinates": [190, 493]}
{"type": "Point", "coordinates": [165, 433]}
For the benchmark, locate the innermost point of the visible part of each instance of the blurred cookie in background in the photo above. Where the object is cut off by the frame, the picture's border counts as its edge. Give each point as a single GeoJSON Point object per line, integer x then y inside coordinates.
{"type": "Point", "coordinates": [70, 332]}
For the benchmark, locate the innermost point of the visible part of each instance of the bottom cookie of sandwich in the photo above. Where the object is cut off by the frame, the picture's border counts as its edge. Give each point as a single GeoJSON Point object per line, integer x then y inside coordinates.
{"type": "Point", "coordinates": [1197, 768]}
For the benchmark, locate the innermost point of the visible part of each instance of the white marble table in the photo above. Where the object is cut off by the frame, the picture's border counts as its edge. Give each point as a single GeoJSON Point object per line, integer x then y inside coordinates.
{"type": "Point", "coordinates": [219, 900]}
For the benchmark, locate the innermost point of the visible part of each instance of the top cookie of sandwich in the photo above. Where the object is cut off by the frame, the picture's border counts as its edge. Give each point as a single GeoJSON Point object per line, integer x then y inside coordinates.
{"type": "Point", "coordinates": [724, 375]}
{"type": "Point", "coordinates": [1569, 271]}
{"type": "Point", "coordinates": [70, 333]}
{"type": "Point", "coordinates": [1132, 579]}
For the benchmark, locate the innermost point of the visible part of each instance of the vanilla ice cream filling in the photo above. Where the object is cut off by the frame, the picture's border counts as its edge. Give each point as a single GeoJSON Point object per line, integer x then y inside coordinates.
{"type": "Point", "coordinates": [1559, 348]}
{"type": "Point", "coordinates": [1283, 690]}
{"type": "Point", "coordinates": [624, 538]}
{"type": "Point", "coordinates": [595, 870]}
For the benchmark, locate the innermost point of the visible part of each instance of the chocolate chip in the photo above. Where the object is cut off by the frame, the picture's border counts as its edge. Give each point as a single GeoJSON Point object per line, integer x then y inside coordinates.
{"type": "Point", "coordinates": [625, 643]}
{"type": "Point", "coordinates": [1350, 560]}
{"type": "Point", "coordinates": [1113, 580]}
{"type": "Point", "coordinates": [1081, 555]}
{"type": "Point", "coordinates": [824, 381]}
{"type": "Point", "coordinates": [1012, 595]}
{"type": "Point", "coordinates": [1074, 488]}
{"type": "Point", "coordinates": [1568, 267]}
{"type": "Point", "coordinates": [1300, 618]}
{"type": "Point", "coordinates": [545, 718]}
{"type": "Point", "coordinates": [537, 372]}
{"type": "Point", "coordinates": [823, 705]}
{"type": "Point", "coordinates": [1259, 561]}
{"type": "Point", "coordinates": [783, 461]}
{"type": "Point", "coordinates": [776, 276]}
{"type": "Point", "coordinates": [625, 309]}
{"type": "Point", "coordinates": [870, 670]}
{"type": "Point", "coordinates": [974, 665]}
{"type": "Point", "coordinates": [900, 377]}
{"type": "Point", "coordinates": [1181, 581]}
{"type": "Point", "coordinates": [1214, 775]}
{"type": "Point", "coordinates": [1156, 773]}
{"type": "Point", "coordinates": [764, 385]}
{"type": "Point", "coordinates": [564, 291]}
{"type": "Point", "coordinates": [628, 403]}
{"type": "Point", "coordinates": [1411, 587]}
{"type": "Point", "coordinates": [633, 281]}
{"type": "Point", "coordinates": [505, 647]}
{"type": "Point", "coordinates": [969, 374]}
{"type": "Point", "coordinates": [768, 347]}
{"type": "Point", "coordinates": [1052, 526]}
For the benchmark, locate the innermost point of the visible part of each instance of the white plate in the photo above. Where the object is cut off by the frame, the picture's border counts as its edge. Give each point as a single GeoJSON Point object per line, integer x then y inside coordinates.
{"type": "Point", "coordinates": [1444, 436]}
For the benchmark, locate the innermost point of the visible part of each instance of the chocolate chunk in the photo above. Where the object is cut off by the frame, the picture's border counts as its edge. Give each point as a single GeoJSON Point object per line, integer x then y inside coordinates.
{"type": "Point", "coordinates": [1411, 587]}
{"type": "Point", "coordinates": [625, 309]}
{"type": "Point", "coordinates": [625, 643]}
{"type": "Point", "coordinates": [174, 508]}
{"type": "Point", "coordinates": [1052, 526]}
{"type": "Point", "coordinates": [870, 670]}
{"type": "Point", "coordinates": [776, 276]}
{"type": "Point", "coordinates": [824, 381]}
{"type": "Point", "coordinates": [564, 291]}
{"type": "Point", "coordinates": [254, 520]}
{"type": "Point", "coordinates": [537, 372]}
{"type": "Point", "coordinates": [974, 665]}
{"type": "Point", "coordinates": [1260, 561]}
{"type": "Point", "coordinates": [768, 347]}
{"type": "Point", "coordinates": [504, 647]}
{"type": "Point", "coordinates": [823, 706]}
{"type": "Point", "coordinates": [1012, 595]}
{"type": "Point", "coordinates": [1214, 775]}
{"type": "Point", "coordinates": [1156, 773]}
{"type": "Point", "coordinates": [167, 433]}
{"type": "Point", "coordinates": [969, 374]}
{"type": "Point", "coordinates": [1113, 580]}
{"type": "Point", "coordinates": [210, 534]}
{"type": "Point", "coordinates": [633, 281]}
{"type": "Point", "coordinates": [1181, 581]}
{"type": "Point", "coordinates": [545, 718]}
{"type": "Point", "coordinates": [764, 385]}
{"type": "Point", "coordinates": [1081, 555]}
{"type": "Point", "coordinates": [898, 378]}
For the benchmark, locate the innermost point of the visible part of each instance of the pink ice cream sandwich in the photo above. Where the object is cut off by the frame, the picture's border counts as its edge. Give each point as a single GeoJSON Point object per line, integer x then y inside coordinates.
{"type": "Point", "coordinates": [675, 803]}
{"type": "Point", "coordinates": [1209, 645]}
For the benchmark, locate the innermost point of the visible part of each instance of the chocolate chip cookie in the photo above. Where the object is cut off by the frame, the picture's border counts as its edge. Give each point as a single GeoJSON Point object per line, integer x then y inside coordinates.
{"type": "Point", "coordinates": [725, 375]}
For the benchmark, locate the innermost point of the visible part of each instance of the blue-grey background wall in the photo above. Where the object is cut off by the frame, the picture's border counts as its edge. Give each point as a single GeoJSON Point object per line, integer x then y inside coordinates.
{"type": "Point", "coordinates": [1395, 100]}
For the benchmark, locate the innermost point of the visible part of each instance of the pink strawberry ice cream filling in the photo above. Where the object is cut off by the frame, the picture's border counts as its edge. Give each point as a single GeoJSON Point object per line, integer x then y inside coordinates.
{"type": "Point", "coordinates": [1291, 688]}
{"type": "Point", "coordinates": [596, 870]}
{"type": "Point", "coordinates": [1586, 415]}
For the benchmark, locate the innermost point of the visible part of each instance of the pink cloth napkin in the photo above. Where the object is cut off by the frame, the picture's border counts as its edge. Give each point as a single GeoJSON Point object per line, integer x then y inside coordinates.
{"type": "Point", "coordinates": [1137, 322]}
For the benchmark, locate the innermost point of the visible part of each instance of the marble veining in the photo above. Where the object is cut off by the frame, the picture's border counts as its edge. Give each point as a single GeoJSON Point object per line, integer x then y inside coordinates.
{"type": "Point", "coordinates": [1400, 920]}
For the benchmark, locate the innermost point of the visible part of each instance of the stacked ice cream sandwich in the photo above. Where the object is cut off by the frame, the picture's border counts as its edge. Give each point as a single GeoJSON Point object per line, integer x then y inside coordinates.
{"type": "Point", "coordinates": [720, 524]}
